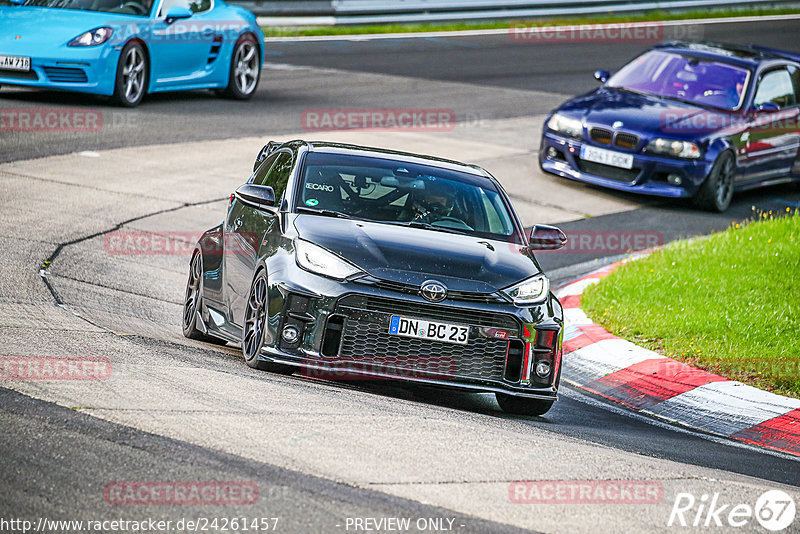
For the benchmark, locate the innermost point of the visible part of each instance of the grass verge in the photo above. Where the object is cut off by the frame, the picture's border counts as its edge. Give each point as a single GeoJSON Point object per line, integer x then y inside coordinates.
{"type": "Point", "coordinates": [660, 15]}
{"type": "Point", "coordinates": [728, 303]}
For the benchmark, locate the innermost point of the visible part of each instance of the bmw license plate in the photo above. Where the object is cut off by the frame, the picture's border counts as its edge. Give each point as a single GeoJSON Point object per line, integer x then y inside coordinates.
{"type": "Point", "coordinates": [400, 325]}
{"type": "Point", "coordinates": [607, 157]}
{"type": "Point", "coordinates": [15, 63]}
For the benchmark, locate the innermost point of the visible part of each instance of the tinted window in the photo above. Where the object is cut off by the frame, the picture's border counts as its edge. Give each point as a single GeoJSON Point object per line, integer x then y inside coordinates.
{"type": "Point", "coordinates": [275, 172]}
{"type": "Point", "coordinates": [776, 87]}
{"type": "Point", "coordinates": [197, 6]}
{"type": "Point", "coordinates": [399, 192]}
{"type": "Point", "coordinates": [132, 7]}
{"type": "Point", "coordinates": [687, 78]}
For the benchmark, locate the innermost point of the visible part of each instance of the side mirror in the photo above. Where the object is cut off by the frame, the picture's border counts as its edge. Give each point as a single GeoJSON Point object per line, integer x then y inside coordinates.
{"type": "Point", "coordinates": [546, 238]}
{"type": "Point", "coordinates": [18, 2]}
{"type": "Point", "coordinates": [768, 107]}
{"type": "Point", "coordinates": [177, 13]}
{"type": "Point", "coordinates": [260, 196]}
{"type": "Point", "coordinates": [602, 76]}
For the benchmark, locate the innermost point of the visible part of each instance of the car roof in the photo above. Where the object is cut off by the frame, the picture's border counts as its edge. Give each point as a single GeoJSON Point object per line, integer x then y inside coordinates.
{"type": "Point", "coordinates": [358, 150]}
{"type": "Point", "coordinates": [748, 56]}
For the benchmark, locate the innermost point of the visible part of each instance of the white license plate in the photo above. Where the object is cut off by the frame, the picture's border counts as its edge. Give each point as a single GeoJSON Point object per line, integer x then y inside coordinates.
{"type": "Point", "coordinates": [607, 157]}
{"type": "Point", "coordinates": [15, 63]}
{"type": "Point", "coordinates": [400, 325]}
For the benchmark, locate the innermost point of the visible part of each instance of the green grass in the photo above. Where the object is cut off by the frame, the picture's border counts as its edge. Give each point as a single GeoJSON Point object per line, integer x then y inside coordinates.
{"type": "Point", "coordinates": [457, 26]}
{"type": "Point", "coordinates": [728, 303]}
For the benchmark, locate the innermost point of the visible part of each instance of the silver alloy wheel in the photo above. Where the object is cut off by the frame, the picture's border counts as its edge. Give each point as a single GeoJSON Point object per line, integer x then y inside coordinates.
{"type": "Point", "coordinates": [245, 67]}
{"type": "Point", "coordinates": [255, 319]}
{"type": "Point", "coordinates": [133, 74]}
{"type": "Point", "coordinates": [725, 182]}
{"type": "Point", "coordinates": [192, 293]}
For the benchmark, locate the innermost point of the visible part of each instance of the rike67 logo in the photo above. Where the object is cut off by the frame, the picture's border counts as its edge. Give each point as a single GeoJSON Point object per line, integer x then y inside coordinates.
{"type": "Point", "coordinates": [774, 510]}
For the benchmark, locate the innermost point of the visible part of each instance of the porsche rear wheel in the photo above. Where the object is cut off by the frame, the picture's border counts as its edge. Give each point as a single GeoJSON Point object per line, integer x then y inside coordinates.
{"type": "Point", "coordinates": [245, 69]}
{"type": "Point", "coordinates": [522, 406]}
{"type": "Point", "coordinates": [255, 325]}
{"type": "Point", "coordinates": [132, 75]}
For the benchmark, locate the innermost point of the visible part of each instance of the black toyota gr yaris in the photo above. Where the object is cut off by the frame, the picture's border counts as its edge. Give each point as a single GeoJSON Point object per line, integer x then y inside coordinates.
{"type": "Point", "coordinates": [351, 262]}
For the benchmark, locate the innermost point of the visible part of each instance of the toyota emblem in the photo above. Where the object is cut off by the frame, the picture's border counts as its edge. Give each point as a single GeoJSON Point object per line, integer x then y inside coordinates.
{"type": "Point", "coordinates": [433, 291]}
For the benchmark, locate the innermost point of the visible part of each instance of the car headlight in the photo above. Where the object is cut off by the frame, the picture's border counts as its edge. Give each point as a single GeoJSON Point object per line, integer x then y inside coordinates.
{"type": "Point", "coordinates": [675, 148]}
{"type": "Point", "coordinates": [316, 259]}
{"type": "Point", "coordinates": [571, 127]}
{"type": "Point", "coordinates": [93, 37]}
{"type": "Point", "coordinates": [531, 291]}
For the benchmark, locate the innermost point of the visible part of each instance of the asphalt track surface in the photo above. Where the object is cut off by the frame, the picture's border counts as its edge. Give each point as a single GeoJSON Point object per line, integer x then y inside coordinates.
{"type": "Point", "coordinates": [54, 459]}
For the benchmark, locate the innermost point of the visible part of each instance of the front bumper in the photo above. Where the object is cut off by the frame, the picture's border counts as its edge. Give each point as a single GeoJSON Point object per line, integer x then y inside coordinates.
{"type": "Point", "coordinates": [648, 176]}
{"type": "Point", "coordinates": [87, 70]}
{"type": "Point", "coordinates": [343, 335]}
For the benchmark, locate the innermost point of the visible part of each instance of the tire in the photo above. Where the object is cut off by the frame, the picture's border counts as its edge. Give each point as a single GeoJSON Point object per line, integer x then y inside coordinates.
{"type": "Point", "coordinates": [193, 303]}
{"type": "Point", "coordinates": [716, 192]}
{"type": "Point", "coordinates": [245, 69]}
{"type": "Point", "coordinates": [255, 322]}
{"type": "Point", "coordinates": [132, 76]}
{"type": "Point", "coordinates": [522, 406]}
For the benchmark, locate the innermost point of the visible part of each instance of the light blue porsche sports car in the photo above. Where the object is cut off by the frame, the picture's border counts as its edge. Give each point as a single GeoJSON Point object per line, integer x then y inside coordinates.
{"type": "Point", "coordinates": [128, 48]}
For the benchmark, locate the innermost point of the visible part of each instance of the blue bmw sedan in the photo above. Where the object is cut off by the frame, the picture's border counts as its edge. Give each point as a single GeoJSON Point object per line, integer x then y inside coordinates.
{"type": "Point", "coordinates": [128, 48]}
{"type": "Point", "coordinates": [691, 120]}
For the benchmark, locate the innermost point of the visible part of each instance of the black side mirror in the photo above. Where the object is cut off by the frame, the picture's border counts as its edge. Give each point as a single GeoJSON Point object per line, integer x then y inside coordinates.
{"type": "Point", "coordinates": [546, 238]}
{"type": "Point", "coordinates": [602, 76]}
{"type": "Point", "coordinates": [260, 196]}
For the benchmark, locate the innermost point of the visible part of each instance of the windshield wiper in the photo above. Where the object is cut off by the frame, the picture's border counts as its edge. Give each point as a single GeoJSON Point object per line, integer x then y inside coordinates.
{"type": "Point", "coordinates": [324, 213]}
{"type": "Point", "coordinates": [429, 226]}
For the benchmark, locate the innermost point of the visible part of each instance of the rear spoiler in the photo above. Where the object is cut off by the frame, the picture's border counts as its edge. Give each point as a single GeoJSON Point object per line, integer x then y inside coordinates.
{"type": "Point", "coordinates": [774, 51]}
{"type": "Point", "coordinates": [268, 149]}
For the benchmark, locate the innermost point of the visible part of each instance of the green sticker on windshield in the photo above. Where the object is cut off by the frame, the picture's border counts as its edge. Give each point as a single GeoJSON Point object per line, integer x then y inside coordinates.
{"type": "Point", "coordinates": [312, 202]}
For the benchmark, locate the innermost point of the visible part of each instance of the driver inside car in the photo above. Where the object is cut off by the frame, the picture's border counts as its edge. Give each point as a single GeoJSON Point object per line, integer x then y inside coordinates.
{"type": "Point", "coordinates": [432, 203]}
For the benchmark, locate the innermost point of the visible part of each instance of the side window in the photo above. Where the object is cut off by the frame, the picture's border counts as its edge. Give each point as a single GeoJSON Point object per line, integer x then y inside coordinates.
{"type": "Point", "coordinates": [278, 175]}
{"type": "Point", "coordinates": [197, 6]}
{"type": "Point", "coordinates": [261, 173]}
{"type": "Point", "coordinates": [776, 86]}
{"type": "Point", "coordinates": [794, 73]}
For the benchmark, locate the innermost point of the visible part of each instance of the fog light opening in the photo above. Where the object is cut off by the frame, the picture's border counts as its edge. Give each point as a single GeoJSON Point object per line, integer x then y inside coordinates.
{"type": "Point", "coordinates": [290, 334]}
{"type": "Point", "coordinates": [542, 369]}
{"type": "Point", "coordinates": [674, 179]}
{"type": "Point", "coordinates": [552, 153]}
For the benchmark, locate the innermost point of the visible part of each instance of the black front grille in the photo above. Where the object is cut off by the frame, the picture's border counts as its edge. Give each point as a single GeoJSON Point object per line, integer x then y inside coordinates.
{"type": "Point", "coordinates": [607, 171]}
{"type": "Point", "coordinates": [434, 312]}
{"type": "Point", "coordinates": [66, 74]}
{"type": "Point", "coordinates": [626, 140]}
{"type": "Point", "coordinates": [19, 75]}
{"type": "Point", "coordinates": [365, 340]}
{"type": "Point", "coordinates": [600, 135]}
{"type": "Point", "coordinates": [410, 289]}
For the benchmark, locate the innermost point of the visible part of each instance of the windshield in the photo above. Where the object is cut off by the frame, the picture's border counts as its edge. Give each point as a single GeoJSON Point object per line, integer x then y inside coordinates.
{"type": "Point", "coordinates": [125, 7]}
{"type": "Point", "coordinates": [402, 193]}
{"type": "Point", "coordinates": [689, 79]}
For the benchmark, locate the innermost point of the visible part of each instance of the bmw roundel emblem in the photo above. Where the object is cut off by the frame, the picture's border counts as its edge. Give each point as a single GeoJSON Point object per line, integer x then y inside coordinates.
{"type": "Point", "coordinates": [617, 124]}
{"type": "Point", "coordinates": [433, 291]}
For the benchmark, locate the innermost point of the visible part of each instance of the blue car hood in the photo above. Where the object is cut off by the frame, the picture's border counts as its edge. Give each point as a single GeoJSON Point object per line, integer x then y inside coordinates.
{"type": "Point", "coordinates": [647, 115]}
{"type": "Point", "coordinates": [40, 30]}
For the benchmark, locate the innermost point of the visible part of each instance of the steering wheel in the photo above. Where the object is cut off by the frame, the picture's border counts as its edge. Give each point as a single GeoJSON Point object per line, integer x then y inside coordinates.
{"type": "Point", "coordinates": [136, 7]}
